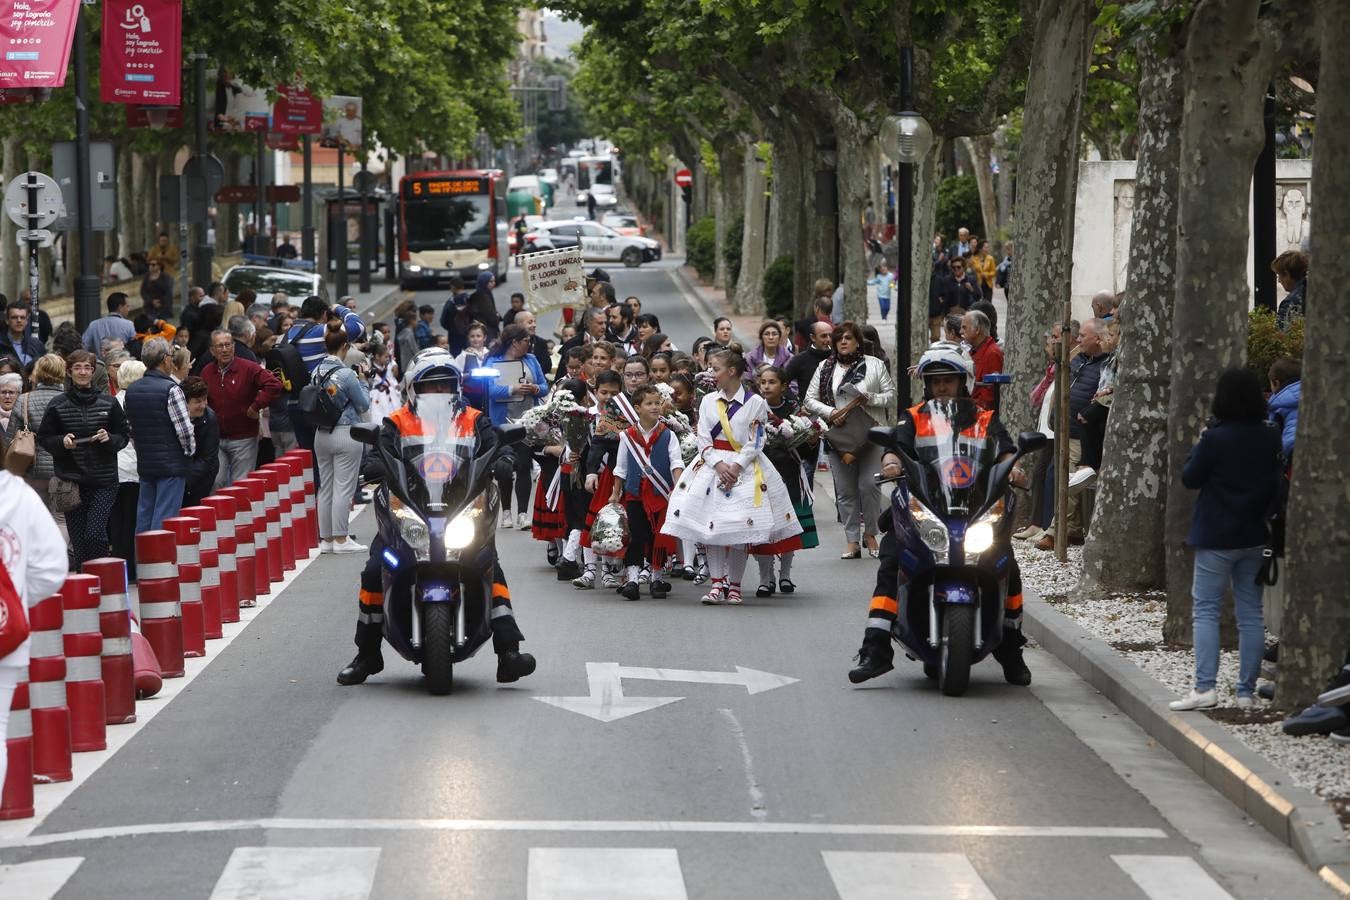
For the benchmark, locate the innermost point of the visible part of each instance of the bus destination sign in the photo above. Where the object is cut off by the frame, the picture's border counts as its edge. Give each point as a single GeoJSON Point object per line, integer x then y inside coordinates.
{"type": "Point", "coordinates": [445, 187]}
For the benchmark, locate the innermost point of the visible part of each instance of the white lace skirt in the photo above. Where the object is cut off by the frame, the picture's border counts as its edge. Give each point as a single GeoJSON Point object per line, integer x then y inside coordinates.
{"type": "Point", "coordinates": [701, 511]}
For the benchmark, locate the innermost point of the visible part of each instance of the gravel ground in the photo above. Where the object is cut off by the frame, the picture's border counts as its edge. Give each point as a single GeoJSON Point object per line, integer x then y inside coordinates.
{"type": "Point", "coordinates": [1133, 624]}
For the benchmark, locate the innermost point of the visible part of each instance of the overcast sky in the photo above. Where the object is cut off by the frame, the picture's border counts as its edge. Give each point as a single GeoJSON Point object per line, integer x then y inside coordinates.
{"type": "Point", "coordinates": [561, 34]}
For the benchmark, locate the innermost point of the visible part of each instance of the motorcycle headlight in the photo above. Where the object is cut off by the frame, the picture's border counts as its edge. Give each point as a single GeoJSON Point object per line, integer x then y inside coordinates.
{"type": "Point", "coordinates": [414, 532]}
{"type": "Point", "coordinates": [931, 529]}
{"type": "Point", "coordinates": [980, 536]}
{"type": "Point", "coordinates": [460, 531]}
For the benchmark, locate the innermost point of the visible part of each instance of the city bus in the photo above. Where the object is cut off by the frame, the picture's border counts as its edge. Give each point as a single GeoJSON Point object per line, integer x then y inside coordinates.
{"type": "Point", "coordinates": [452, 223]}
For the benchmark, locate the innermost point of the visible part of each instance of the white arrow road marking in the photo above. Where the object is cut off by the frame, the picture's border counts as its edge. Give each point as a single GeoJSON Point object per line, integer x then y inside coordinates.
{"type": "Point", "coordinates": [39, 880]}
{"type": "Point", "coordinates": [607, 703]}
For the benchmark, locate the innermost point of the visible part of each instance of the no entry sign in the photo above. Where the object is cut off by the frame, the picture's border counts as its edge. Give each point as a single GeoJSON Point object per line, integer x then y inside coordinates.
{"type": "Point", "coordinates": [684, 178]}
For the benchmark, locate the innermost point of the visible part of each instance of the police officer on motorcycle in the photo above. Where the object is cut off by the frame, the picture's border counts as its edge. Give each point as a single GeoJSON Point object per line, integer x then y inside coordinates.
{"type": "Point", "coordinates": [432, 372]}
{"type": "Point", "coordinates": [948, 374]}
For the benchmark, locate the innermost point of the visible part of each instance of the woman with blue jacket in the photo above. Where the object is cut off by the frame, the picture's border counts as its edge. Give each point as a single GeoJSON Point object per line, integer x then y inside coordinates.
{"type": "Point", "coordinates": [1236, 467]}
{"type": "Point", "coordinates": [1286, 389]}
{"type": "Point", "coordinates": [509, 400]}
{"type": "Point", "coordinates": [336, 452]}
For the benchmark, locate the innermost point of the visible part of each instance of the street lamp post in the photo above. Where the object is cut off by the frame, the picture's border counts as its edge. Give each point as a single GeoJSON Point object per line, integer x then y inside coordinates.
{"type": "Point", "coordinates": [906, 138]}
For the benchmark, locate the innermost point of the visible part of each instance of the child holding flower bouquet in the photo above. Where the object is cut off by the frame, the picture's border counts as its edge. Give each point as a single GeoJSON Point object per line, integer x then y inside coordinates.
{"type": "Point", "coordinates": [788, 429]}
{"type": "Point", "coordinates": [684, 399]}
{"type": "Point", "coordinates": [647, 466]}
{"type": "Point", "coordinates": [576, 423]}
{"type": "Point", "coordinates": [608, 420]}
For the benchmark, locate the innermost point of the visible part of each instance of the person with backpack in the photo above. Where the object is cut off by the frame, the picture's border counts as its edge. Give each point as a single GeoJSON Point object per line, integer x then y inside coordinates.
{"type": "Point", "coordinates": [305, 343]}
{"type": "Point", "coordinates": [335, 402]}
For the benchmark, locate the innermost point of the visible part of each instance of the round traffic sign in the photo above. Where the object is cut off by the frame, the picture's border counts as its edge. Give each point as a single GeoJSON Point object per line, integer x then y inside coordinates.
{"type": "Point", "coordinates": [365, 182]}
{"type": "Point", "coordinates": [206, 167]}
{"type": "Point", "coordinates": [684, 178]}
{"type": "Point", "coordinates": [50, 206]}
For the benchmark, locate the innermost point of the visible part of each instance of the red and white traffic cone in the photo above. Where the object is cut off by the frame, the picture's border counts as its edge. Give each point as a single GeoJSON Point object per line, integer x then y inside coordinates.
{"type": "Point", "coordinates": [245, 560]}
{"type": "Point", "coordinates": [226, 547]}
{"type": "Point", "coordinates": [82, 637]}
{"type": "Point", "coordinates": [311, 504]}
{"type": "Point", "coordinates": [210, 562]}
{"type": "Point", "coordinates": [160, 609]}
{"type": "Point", "coordinates": [285, 524]}
{"type": "Point", "coordinates": [271, 523]}
{"type": "Point", "coordinates": [47, 692]}
{"type": "Point", "coordinates": [114, 622]}
{"type": "Point", "coordinates": [187, 535]}
{"type": "Point", "coordinates": [16, 794]}
{"type": "Point", "coordinates": [257, 498]}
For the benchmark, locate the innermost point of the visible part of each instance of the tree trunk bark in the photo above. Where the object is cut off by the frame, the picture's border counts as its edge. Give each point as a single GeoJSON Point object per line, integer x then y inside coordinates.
{"type": "Point", "coordinates": [918, 260]}
{"type": "Point", "coordinates": [749, 287]}
{"type": "Point", "coordinates": [1048, 186]}
{"type": "Point", "coordinates": [851, 197]}
{"type": "Point", "coordinates": [9, 259]}
{"type": "Point", "coordinates": [980, 149]}
{"type": "Point", "coordinates": [1007, 171]}
{"type": "Point", "coordinates": [1126, 539]}
{"type": "Point", "coordinates": [1315, 631]}
{"type": "Point", "coordinates": [730, 199]}
{"type": "Point", "coordinates": [1227, 68]}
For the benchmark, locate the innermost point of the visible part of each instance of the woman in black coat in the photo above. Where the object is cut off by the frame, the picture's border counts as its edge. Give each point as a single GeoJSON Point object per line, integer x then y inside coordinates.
{"type": "Point", "coordinates": [83, 429]}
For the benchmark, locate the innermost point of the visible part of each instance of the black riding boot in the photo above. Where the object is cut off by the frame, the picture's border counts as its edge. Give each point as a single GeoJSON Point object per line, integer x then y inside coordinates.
{"type": "Point", "coordinates": [512, 665]}
{"type": "Point", "coordinates": [368, 659]}
{"type": "Point", "coordinates": [1009, 655]}
{"type": "Point", "coordinates": [876, 657]}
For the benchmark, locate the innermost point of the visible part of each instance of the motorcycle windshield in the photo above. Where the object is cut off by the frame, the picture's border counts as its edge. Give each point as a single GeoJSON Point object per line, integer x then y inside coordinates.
{"type": "Point", "coordinates": [955, 462]}
{"type": "Point", "coordinates": [440, 453]}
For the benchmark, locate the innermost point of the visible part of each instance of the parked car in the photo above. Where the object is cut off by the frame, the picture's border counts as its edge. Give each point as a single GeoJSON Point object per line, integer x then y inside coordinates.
{"type": "Point", "coordinates": [598, 242]}
{"type": "Point", "coordinates": [267, 280]}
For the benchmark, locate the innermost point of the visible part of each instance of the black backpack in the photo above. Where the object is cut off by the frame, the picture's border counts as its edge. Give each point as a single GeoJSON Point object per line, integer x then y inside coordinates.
{"type": "Point", "coordinates": [320, 407]}
{"type": "Point", "coordinates": [285, 362]}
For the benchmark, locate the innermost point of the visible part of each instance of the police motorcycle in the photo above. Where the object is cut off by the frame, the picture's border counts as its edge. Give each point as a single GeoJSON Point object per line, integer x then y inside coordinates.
{"type": "Point", "coordinates": [952, 512]}
{"type": "Point", "coordinates": [437, 507]}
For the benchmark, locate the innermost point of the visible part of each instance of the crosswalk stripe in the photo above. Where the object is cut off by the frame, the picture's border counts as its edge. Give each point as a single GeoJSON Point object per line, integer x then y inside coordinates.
{"type": "Point", "coordinates": [590, 873]}
{"type": "Point", "coordinates": [38, 880]}
{"type": "Point", "coordinates": [1171, 878]}
{"type": "Point", "coordinates": [298, 873]}
{"type": "Point", "coordinates": [904, 876]}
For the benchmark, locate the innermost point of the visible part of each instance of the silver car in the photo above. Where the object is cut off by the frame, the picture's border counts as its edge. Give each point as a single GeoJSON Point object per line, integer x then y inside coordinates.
{"type": "Point", "coordinates": [267, 280]}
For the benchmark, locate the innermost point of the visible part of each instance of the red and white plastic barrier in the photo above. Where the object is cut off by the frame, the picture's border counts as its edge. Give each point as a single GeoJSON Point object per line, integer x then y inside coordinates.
{"type": "Point", "coordinates": [47, 692]}
{"type": "Point", "coordinates": [226, 561]}
{"type": "Point", "coordinates": [245, 556]}
{"type": "Point", "coordinates": [161, 612]}
{"type": "Point", "coordinates": [187, 533]}
{"type": "Point", "coordinates": [281, 475]}
{"type": "Point", "coordinates": [82, 637]}
{"type": "Point", "coordinates": [257, 500]}
{"type": "Point", "coordinates": [210, 563]}
{"type": "Point", "coordinates": [271, 523]}
{"type": "Point", "coordinates": [114, 621]}
{"type": "Point", "coordinates": [16, 794]}
{"type": "Point", "coordinates": [311, 502]}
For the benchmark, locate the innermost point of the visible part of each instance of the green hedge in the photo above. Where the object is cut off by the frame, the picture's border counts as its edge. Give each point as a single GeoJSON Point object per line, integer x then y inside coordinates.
{"type": "Point", "coordinates": [702, 247]}
{"type": "Point", "coordinates": [1265, 341]}
{"type": "Point", "coordinates": [958, 206]}
{"type": "Point", "coordinates": [778, 288]}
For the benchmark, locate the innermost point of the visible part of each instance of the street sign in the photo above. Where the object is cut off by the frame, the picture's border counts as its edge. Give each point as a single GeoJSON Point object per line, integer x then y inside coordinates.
{"type": "Point", "coordinates": [684, 178]}
{"type": "Point", "coordinates": [365, 182]}
{"type": "Point", "coordinates": [43, 237]}
{"type": "Point", "coordinates": [205, 175]}
{"type": "Point", "coordinates": [606, 701]}
{"type": "Point", "coordinates": [102, 184]}
{"type": "Point", "coordinates": [50, 206]}
{"type": "Point", "coordinates": [557, 96]}
{"type": "Point", "coordinates": [247, 193]}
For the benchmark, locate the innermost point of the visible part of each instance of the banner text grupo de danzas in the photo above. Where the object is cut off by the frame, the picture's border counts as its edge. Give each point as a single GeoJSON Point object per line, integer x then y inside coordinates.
{"type": "Point", "coordinates": [35, 42]}
{"type": "Point", "coordinates": [141, 60]}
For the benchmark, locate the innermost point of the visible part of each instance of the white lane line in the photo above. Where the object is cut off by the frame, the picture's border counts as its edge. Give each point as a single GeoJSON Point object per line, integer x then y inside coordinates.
{"type": "Point", "coordinates": [47, 797]}
{"type": "Point", "coordinates": [584, 826]}
{"type": "Point", "coordinates": [594, 873]}
{"type": "Point", "coordinates": [759, 809]}
{"type": "Point", "coordinates": [298, 873]}
{"type": "Point", "coordinates": [1171, 878]}
{"type": "Point", "coordinates": [905, 876]}
{"type": "Point", "coordinates": [39, 880]}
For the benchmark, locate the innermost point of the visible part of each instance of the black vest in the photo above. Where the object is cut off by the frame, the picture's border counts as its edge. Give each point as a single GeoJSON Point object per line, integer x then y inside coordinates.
{"type": "Point", "coordinates": [158, 452]}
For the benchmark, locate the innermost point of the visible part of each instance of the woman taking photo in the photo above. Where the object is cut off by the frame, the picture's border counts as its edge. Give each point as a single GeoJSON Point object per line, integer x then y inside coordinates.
{"type": "Point", "coordinates": [847, 385]}
{"type": "Point", "coordinates": [336, 452]}
{"type": "Point", "coordinates": [770, 349]}
{"type": "Point", "coordinates": [83, 429]}
{"type": "Point", "coordinates": [508, 398]}
{"type": "Point", "coordinates": [1236, 467]}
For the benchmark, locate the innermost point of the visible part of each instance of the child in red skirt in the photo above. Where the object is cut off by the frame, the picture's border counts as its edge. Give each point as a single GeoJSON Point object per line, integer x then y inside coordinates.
{"type": "Point", "coordinates": [647, 467]}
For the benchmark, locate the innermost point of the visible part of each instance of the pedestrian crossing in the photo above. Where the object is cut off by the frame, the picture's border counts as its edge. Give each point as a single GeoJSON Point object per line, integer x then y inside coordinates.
{"type": "Point", "coordinates": [614, 873]}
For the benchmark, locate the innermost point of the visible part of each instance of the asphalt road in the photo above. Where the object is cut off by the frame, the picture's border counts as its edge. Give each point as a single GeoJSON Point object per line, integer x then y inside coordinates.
{"type": "Point", "coordinates": [263, 778]}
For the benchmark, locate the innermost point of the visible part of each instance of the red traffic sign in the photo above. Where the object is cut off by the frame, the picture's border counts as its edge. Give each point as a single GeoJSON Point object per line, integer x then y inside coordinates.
{"type": "Point", "coordinates": [247, 193]}
{"type": "Point", "coordinates": [684, 178]}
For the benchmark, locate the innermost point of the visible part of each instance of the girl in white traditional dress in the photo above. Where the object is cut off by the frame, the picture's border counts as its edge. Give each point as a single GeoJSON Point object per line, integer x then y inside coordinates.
{"type": "Point", "coordinates": [730, 497]}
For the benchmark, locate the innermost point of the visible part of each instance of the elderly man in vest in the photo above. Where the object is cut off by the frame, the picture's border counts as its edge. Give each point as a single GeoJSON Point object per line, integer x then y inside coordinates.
{"type": "Point", "coordinates": [162, 429]}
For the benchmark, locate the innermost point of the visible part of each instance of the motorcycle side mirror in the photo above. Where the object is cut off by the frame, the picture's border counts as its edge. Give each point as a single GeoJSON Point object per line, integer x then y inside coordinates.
{"type": "Point", "coordinates": [1031, 441]}
{"type": "Point", "coordinates": [881, 436]}
{"type": "Point", "coordinates": [366, 433]}
{"type": "Point", "coordinates": [512, 434]}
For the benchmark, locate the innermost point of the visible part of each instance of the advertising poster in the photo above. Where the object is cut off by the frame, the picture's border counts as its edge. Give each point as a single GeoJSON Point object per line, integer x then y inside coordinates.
{"type": "Point", "coordinates": [553, 279]}
{"type": "Point", "coordinates": [141, 62]}
{"type": "Point", "coordinates": [341, 122]}
{"type": "Point", "coordinates": [297, 111]}
{"type": "Point", "coordinates": [239, 107]}
{"type": "Point", "coordinates": [35, 40]}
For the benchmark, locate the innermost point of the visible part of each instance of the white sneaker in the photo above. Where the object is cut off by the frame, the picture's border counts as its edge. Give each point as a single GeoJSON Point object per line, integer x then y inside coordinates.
{"type": "Point", "coordinates": [523, 521]}
{"type": "Point", "coordinates": [1194, 700]}
{"type": "Point", "coordinates": [350, 545]}
{"type": "Point", "coordinates": [325, 546]}
{"type": "Point", "coordinates": [1082, 478]}
{"type": "Point", "coordinates": [1030, 533]}
{"type": "Point", "coordinates": [1245, 701]}
{"type": "Point", "coordinates": [507, 521]}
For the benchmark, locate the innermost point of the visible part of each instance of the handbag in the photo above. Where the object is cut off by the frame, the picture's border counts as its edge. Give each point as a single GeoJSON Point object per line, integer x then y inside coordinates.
{"type": "Point", "coordinates": [851, 436]}
{"type": "Point", "coordinates": [65, 495]}
{"type": "Point", "coordinates": [23, 449]}
{"type": "Point", "coordinates": [13, 616]}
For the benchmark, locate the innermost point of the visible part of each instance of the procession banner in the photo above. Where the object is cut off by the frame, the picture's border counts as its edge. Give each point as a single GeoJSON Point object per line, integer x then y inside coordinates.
{"type": "Point", "coordinates": [35, 36]}
{"type": "Point", "coordinates": [553, 278]}
{"type": "Point", "coordinates": [297, 111]}
{"type": "Point", "coordinates": [142, 60]}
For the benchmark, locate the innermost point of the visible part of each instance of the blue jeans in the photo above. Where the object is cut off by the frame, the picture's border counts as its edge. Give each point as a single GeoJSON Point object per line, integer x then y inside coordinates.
{"type": "Point", "coordinates": [160, 499]}
{"type": "Point", "coordinates": [1215, 571]}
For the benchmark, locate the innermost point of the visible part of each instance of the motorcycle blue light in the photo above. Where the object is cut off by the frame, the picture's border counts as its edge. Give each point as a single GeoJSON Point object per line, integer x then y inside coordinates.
{"type": "Point", "coordinates": [390, 558]}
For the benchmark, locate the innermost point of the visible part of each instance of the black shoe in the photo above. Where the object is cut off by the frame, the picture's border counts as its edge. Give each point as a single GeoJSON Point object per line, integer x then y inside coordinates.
{"type": "Point", "coordinates": [551, 554]}
{"type": "Point", "coordinates": [658, 588]}
{"type": "Point", "coordinates": [1272, 653]}
{"type": "Point", "coordinates": [567, 570]}
{"type": "Point", "coordinates": [631, 591]}
{"type": "Point", "coordinates": [786, 586]}
{"type": "Point", "coordinates": [513, 666]}
{"type": "Point", "coordinates": [930, 671]}
{"type": "Point", "coordinates": [764, 590]}
{"type": "Point", "coordinates": [361, 668]}
{"type": "Point", "coordinates": [874, 659]}
{"type": "Point", "coordinates": [1266, 690]}
{"type": "Point", "coordinates": [1015, 669]}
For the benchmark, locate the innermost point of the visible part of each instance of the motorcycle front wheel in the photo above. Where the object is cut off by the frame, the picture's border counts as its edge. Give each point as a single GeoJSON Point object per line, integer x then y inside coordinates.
{"type": "Point", "coordinates": [958, 649]}
{"type": "Point", "coordinates": [438, 647]}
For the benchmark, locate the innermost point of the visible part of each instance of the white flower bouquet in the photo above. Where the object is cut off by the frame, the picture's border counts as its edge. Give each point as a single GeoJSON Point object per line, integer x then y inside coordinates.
{"type": "Point", "coordinates": [791, 432]}
{"type": "Point", "coordinates": [609, 532]}
{"type": "Point", "coordinates": [544, 423]}
{"type": "Point", "coordinates": [688, 447]}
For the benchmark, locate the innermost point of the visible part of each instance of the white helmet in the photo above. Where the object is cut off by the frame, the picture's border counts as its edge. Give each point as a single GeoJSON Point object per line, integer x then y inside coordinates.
{"type": "Point", "coordinates": [946, 358]}
{"type": "Point", "coordinates": [432, 366]}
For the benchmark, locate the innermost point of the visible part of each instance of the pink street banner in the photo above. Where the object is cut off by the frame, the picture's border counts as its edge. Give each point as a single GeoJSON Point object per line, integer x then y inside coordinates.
{"type": "Point", "coordinates": [297, 111]}
{"type": "Point", "coordinates": [141, 62]}
{"type": "Point", "coordinates": [35, 42]}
